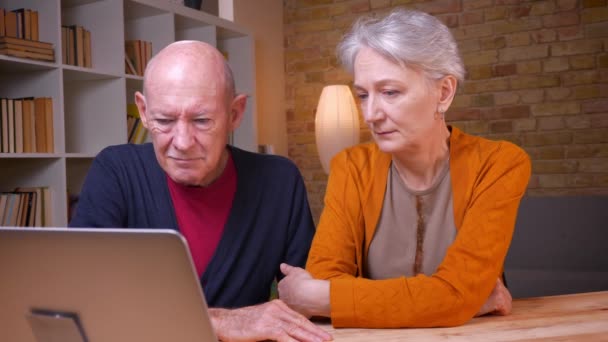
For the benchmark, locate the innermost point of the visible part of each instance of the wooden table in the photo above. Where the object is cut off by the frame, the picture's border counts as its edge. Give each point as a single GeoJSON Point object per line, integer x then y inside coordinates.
{"type": "Point", "coordinates": [577, 317]}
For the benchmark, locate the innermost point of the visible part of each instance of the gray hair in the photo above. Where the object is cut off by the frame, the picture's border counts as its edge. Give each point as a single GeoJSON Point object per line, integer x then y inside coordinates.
{"type": "Point", "coordinates": [407, 37]}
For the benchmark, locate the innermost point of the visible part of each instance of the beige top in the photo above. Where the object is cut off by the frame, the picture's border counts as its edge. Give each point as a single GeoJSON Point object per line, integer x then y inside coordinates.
{"type": "Point", "coordinates": [393, 249]}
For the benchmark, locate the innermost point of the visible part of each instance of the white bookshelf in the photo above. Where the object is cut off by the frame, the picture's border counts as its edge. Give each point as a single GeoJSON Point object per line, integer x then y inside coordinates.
{"type": "Point", "coordinates": [89, 104]}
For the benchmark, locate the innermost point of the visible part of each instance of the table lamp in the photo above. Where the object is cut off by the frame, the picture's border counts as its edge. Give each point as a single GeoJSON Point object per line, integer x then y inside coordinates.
{"type": "Point", "coordinates": [336, 122]}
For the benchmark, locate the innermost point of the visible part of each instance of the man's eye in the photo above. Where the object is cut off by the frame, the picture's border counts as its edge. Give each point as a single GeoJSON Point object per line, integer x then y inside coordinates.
{"type": "Point", "coordinates": [163, 121]}
{"type": "Point", "coordinates": [202, 121]}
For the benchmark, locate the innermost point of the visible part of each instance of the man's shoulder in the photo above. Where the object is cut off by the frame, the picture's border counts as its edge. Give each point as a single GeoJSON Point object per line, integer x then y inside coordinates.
{"type": "Point", "coordinates": [127, 151]}
{"type": "Point", "coordinates": [265, 163]}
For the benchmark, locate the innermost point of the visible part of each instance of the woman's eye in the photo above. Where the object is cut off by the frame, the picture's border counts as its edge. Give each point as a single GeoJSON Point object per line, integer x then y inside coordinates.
{"type": "Point", "coordinates": [361, 96]}
{"type": "Point", "coordinates": [390, 92]}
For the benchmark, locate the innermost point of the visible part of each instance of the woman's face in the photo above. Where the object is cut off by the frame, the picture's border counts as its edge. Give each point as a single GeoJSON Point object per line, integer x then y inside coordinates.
{"type": "Point", "coordinates": [398, 103]}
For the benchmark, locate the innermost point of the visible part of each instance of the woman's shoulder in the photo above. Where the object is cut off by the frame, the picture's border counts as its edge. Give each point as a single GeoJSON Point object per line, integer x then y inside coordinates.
{"type": "Point", "coordinates": [483, 148]}
{"type": "Point", "coordinates": [361, 156]}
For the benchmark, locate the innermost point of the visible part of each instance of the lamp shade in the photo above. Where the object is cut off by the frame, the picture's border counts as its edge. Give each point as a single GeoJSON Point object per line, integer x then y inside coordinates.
{"type": "Point", "coordinates": [336, 122]}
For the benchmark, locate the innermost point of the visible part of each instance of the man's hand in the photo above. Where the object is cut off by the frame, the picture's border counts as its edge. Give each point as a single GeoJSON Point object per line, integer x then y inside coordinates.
{"type": "Point", "coordinates": [301, 292]}
{"type": "Point", "coordinates": [268, 321]}
{"type": "Point", "coordinates": [499, 302]}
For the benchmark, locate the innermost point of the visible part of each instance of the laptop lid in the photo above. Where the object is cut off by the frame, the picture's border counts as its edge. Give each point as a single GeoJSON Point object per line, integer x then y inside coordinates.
{"type": "Point", "coordinates": [99, 284]}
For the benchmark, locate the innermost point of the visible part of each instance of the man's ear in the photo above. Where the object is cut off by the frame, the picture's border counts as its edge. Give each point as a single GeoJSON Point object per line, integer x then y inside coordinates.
{"type": "Point", "coordinates": [237, 111]}
{"type": "Point", "coordinates": [140, 101]}
{"type": "Point", "coordinates": [447, 91]}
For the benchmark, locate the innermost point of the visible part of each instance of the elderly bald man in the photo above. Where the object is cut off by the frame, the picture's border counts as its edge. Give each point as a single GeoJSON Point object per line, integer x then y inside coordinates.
{"type": "Point", "coordinates": [242, 213]}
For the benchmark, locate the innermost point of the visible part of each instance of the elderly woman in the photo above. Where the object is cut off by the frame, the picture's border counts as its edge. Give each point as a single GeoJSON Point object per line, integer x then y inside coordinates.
{"type": "Point", "coordinates": [417, 224]}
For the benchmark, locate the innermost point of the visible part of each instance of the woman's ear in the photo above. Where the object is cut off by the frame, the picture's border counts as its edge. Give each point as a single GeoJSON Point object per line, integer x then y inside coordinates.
{"type": "Point", "coordinates": [447, 91]}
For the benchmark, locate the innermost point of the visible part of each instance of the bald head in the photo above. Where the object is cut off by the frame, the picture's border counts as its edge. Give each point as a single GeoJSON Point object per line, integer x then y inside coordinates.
{"type": "Point", "coordinates": [193, 63]}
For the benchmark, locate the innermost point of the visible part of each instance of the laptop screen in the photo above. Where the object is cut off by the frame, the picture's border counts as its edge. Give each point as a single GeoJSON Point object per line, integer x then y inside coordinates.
{"type": "Point", "coordinates": [99, 285]}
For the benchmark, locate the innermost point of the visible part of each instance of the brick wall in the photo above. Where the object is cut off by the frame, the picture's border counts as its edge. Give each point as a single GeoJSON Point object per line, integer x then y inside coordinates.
{"type": "Point", "coordinates": [537, 75]}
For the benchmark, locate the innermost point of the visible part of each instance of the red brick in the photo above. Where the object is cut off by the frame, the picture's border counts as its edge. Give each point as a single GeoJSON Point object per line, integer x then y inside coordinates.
{"type": "Point", "coordinates": [379, 3]}
{"type": "Point", "coordinates": [576, 48]}
{"type": "Point", "coordinates": [493, 43]}
{"type": "Point", "coordinates": [558, 94]}
{"type": "Point", "coordinates": [546, 152]}
{"type": "Point", "coordinates": [524, 53]}
{"type": "Point", "coordinates": [587, 91]}
{"type": "Point", "coordinates": [512, 112]}
{"type": "Point", "coordinates": [552, 181]}
{"type": "Point", "coordinates": [580, 77]}
{"type": "Point", "coordinates": [578, 122]}
{"type": "Point", "coordinates": [570, 33]}
{"type": "Point", "coordinates": [561, 19]}
{"type": "Point", "coordinates": [477, 127]}
{"type": "Point", "coordinates": [471, 18]}
{"type": "Point", "coordinates": [309, 3]}
{"type": "Point", "coordinates": [505, 70]}
{"type": "Point", "coordinates": [595, 106]}
{"type": "Point", "coordinates": [476, 72]}
{"type": "Point", "coordinates": [483, 100]}
{"type": "Point", "coordinates": [463, 114]}
{"type": "Point", "coordinates": [520, 11]}
{"type": "Point", "coordinates": [551, 123]}
{"type": "Point", "coordinates": [555, 108]}
{"type": "Point", "coordinates": [594, 166]}
{"type": "Point", "coordinates": [506, 98]}
{"type": "Point", "coordinates": [477, 4]}
{"type": "Point", "coordinates": [594, 15]}
{"type": "Point", "coordinates": [602, 61]}
{"type": "Point", "coordinates": [547, 138]}
{"type": "Point", "coordinates": [524, 125]}
{"type": "Point", "coordinates": [531, 96]}
{"type": "Point", "coordinates": [517, 25]}
{"type": "Point", "coordinates": [591, 136]}
{"type": "Point", "coordinates": [579, 180]}
{"type": "Point", "coordinates": [599, 120]}
{"type": "Point", "coordinates": [533, 82]}
{"type": "Point", "coordinates": [582, 62]}
{"type": "Point", "coordinates": [544, 36]}
{"type": "Point", "coordinates": [567, 5]}
{"type": "Point", "coordinates": [495, 13]}
{"type": "Point", "coordinates": [540, 8]}
{"type": "Point", "coordinates": [529, 67]}
{"type": "Point", "coordinates": [596, 30]}
{"type": "Point", "coordinates": [555, 64]}
{"type": "Point", "coordinates": [554, 166]}
{"type": "Point", "coordinates": [518, 39]}
{"type": "Point", "coordinates": [587, 151]}
{"type": "Point", "coordinates": [472, 31]}
{"type": "Point", "coordinates": [594, 3]}
{"type": "Point", "coordinates": [501, 127]}
{"type": "Point", "coordinates": [449, 20]}
{"type": "Point", "coordinates": [439, 6]}
{"type": "Point", "coordinates": [360, 6]}
{"type": "Point", "coordinates": [485, 86]}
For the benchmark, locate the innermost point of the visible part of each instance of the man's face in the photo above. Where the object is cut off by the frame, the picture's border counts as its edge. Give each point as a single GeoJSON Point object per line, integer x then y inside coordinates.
{"type": "Point", "coordinates": [189, 122]}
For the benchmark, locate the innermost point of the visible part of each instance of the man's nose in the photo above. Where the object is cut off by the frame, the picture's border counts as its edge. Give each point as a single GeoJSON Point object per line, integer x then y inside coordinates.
{"type": "Point", "coordinates": [183, 135]}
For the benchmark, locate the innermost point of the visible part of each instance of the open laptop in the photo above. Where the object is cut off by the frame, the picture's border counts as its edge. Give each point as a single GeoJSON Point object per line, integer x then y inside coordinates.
{"type": "Point", "coordinates": [77, 285]}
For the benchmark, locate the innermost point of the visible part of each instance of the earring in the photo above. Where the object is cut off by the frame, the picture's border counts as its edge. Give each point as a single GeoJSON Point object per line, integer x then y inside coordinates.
{"type": "Point", "coordinates": [440, 115]}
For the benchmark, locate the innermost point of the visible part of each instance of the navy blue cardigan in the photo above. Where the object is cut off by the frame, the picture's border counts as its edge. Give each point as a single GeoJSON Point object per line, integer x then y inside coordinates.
{"type": "Point", "coordinates": [269, 222]}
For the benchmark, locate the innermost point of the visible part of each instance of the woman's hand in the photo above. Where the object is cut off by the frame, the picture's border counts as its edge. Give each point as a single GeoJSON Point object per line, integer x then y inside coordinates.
{"type": "Point", "coordinates": [302, 293]}
{"type": "Point", "coordinates": [499, 302]}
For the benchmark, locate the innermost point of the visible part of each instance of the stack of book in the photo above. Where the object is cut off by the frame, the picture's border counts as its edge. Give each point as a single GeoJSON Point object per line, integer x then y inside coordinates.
{"type": "Point", "coordinates": [76, 46]}
{"type": "Point", "coordinates": [26, 207]}
{"type": "Point", "coordinates": [136, 132]}
{"type": "Point", "coordinates": [19, 35]}
{"type": "Point", "coordinates": [137, 55]}
{"type": "Point", "coordinates": [27, 125]}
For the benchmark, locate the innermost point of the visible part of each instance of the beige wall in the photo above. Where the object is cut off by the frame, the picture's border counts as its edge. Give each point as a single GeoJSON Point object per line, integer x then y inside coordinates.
{"type": "Point", "coordinates": [537, 75]}
{"type": "Point", "coordinates": [265, 20]}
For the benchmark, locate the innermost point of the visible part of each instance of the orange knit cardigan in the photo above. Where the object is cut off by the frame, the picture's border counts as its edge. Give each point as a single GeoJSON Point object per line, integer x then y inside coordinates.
{"type": "Point", "coordinates": [488, 180]}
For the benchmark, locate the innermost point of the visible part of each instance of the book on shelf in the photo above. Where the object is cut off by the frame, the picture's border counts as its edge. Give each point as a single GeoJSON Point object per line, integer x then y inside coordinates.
{"type": "Point", "coordinates": [76, 46]}
{"type": "Point", "coordinates": [26, 207]}
{"type": "Point", "coordinates": [10, 24]}
{"type": "Point", "coordinates": [139, 53]}
{"type": "Point", "coordinates": [136, 131]}
{"type": "Point", "coordinates": [20, 23]}
{"type": "Point", "coordinates": [26, 125]}
{"type": "Point", "coordinates": [2, 25]}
